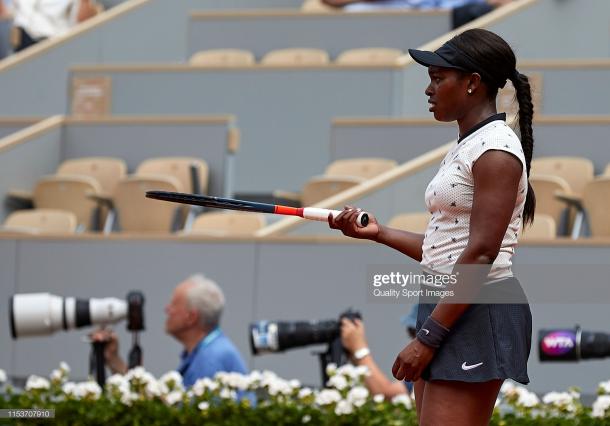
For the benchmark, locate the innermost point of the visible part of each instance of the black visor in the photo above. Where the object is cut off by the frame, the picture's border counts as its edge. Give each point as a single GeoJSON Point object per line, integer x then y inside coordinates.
{"type": "Point", "coordinates": [449, 56]}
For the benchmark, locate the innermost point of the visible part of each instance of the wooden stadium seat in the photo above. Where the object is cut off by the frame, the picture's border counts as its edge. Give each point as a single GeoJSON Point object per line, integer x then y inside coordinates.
{"type": "Point", "coordinates": [544, 227]}
{"type": "Point", "coordinates": [315, 6]}
{"type": "Point", "coordinates": [369, 56]}
{"type": "Point", "coordinates": [140, 214]}
{"type": "Point", "coordinates": [322, 187]}
{"type": "Point", "coordinates": [413, 222]}
{"type": "Point", "coordinates": [228, 223]}
{"type": "Point", "coordinates": [69, 193]}
{"type": "Point", "coordinates": [223, 57]}
{"type": "Point", "coordinates": [361, 167]}
{"type": "Point", "coordinates": [545, 187]}
{"type": "Point", "coordinates": [296, 56]}
{"type": "Point", "coordinates": [106, 170]}
{"type": "Point", "coordinates": [576, 171]}
{"type": "Point", "coordinates": [596, 202]}
{"type": "Point", "coordinates": [41, 221]}
{"type": "Point", "coordinates": [178, 167]}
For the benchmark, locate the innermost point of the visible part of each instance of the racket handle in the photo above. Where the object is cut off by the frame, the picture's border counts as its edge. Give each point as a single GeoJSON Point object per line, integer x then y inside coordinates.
{"type": "Point", "coordinates": [313, 213]}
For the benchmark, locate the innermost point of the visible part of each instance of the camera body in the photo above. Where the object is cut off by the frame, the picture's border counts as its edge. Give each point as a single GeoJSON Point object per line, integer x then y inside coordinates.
{"type": "Point", "coordinates": [278, 336]}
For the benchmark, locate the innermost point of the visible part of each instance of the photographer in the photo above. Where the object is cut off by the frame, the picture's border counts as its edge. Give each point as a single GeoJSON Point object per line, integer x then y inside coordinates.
{"type": "Point", "coordinates": [193, 317]}
{"type": "Point", "coordinates": [353, 339]}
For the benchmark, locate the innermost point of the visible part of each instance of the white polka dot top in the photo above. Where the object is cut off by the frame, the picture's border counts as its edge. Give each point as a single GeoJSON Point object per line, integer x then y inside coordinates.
{"type": "Point", "coordinates": [449, 198]}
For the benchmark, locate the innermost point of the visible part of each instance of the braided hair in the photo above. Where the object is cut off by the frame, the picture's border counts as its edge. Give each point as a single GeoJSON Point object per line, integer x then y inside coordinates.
{"type": "Point", "coordinates": [498, 59]}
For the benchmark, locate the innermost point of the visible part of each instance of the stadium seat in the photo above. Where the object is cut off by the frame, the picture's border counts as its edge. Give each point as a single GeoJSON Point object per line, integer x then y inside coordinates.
{"type": "Point", "coordinates": [596, 202]}
{"type": "Point", "coordinates": [413, 222]}
{"type": "Point", "coordinates": [322, 187]}
{"type": "Point", "coordinates": [369, 56]}
{"type": "Point", "coordinates": [546, 187]}
{"type": "Point", "coordinates": [106, 170]}
{"type": "Point", "coordinates": [223, 57]}
{"type": "Point", "coordinates": [576, 171]}
{"type": "Point", "coordinates": [298, 56]}
{"type": "Point", "coordinates": [228, 223]}
{"type": "Point", "coordinates": [41, 221]}
{"type": "Point", "coordinates": [180, 168]}
{"type": "Point", "coordinates": [360, 167]}
{"type": "Point", "coordinates": [137, 213]}
{"type": "Point", "coordinates": [69, 193]}
{"type": "Point", "coordinates": [338, 176]}
{"type": "Point", "coordinates": [316, 6]}
{"type": "Point", "coordinates": [544, 227]}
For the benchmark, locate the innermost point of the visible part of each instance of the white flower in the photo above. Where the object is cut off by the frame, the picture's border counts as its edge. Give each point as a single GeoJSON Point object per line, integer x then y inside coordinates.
{"type": "Point", "coordinates": [203, 406]}
{"type": "Point", "coordinates": [170, 381]}
{"type": "Point", "coordinates": [403, 399]}
{"type": "Point", "coordinates": [306, 418]}
{"type": "Point", "coordinates": [69, 388]}
{"type": "Point", "coordinates": [305, 392]}
{"type": "Point", "coordinates": [497, 403]}
{"type": "Point", "coordinates": [358, 396]}
{"type": "Point", "coordinates": [338, 382]}
{"type": "Point", "coordinates": [526, 398]}
{"type": "Point", "coordinates": [153, 388]}
{"type": "Point", "coordinates": [128, 397]}
{"type": "Point", "coordinates": [226, 393]}
{"type": "Point", "coordinates": [508, 389]}
{"type": "Point", "coordinates": [56, 375]}
{"type": "Point", "coordinates": [379, 398]}
{"type": "Point", "coordinates": [601, 404]}
{"type": "Point", "coordinates": [2, 376]}
{"type": "Point", "coordinates": [203, 384]}
{"type": "Point", "coordinates": [89, 390]}
{"type": "Point", "coordinates": [36, 382]}
{"type": "Point", "coordinates": [328, 396]}
{"type": "Point", "coordinates": [343, 407]}
{"type": "Point", "coordinates": [562, 400]}
{"type": "Point", "coordinates": [173, 397]}
{"type": "Point", "coordinates": [331, 369]}
{"type": "Point", "coordinates": [294, 383]}
{"type": "Point", "coordinates": [604, 387]}
{"type": "Point", "coordinates": [63, 366]}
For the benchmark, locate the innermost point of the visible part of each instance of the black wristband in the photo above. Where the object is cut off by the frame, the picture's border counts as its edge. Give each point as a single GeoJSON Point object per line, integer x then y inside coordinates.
{"type": "Point", "coordinates": [432, 333]}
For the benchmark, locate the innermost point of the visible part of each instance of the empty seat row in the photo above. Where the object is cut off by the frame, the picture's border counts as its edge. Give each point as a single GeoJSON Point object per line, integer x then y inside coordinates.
{"type": "Point", "coordinates": [95, 188]}
{"type": "Point", "coordinates": [296, 56]}
{"type": "Point", "coordinates": [49, 221]}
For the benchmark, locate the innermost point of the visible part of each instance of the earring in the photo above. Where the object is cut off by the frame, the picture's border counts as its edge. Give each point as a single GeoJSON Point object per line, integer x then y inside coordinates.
{"type": "Point", "coordinates": [470, 91]}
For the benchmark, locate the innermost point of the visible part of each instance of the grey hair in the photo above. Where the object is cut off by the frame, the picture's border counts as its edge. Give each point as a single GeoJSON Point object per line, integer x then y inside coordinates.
{"type": "Point", "coordinates": [207, 298]}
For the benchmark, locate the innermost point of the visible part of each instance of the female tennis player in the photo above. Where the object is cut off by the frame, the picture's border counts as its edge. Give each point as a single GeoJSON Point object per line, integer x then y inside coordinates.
{"type": "Point", "coordinates": [479, 201]}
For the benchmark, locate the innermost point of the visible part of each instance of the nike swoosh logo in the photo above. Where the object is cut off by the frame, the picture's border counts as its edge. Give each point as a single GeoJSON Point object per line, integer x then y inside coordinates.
{"type": "Point", "coordinates": [470, 367]}
{"type": "Point", "coordinates": [425, 330]}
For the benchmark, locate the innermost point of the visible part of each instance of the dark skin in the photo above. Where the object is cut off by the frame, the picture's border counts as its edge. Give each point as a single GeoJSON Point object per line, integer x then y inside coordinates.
{"type": "Point", "coordinates": [461, 97]}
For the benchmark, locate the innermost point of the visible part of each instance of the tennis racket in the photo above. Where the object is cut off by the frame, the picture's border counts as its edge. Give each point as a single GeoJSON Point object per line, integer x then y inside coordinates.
{"type": "Point", "coordinates": [312, 213]}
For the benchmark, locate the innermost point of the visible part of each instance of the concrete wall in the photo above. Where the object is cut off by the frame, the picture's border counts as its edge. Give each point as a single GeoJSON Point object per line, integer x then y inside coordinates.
{"type": "Point", "coordinates": [334, 33]}
{"type": "Point", "coordinates": [403, 141]}
{"type": "Point", "coordinates": [284, 114]}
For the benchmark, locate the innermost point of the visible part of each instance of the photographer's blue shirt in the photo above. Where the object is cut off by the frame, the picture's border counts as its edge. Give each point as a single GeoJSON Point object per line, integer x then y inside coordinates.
{"type": "Point", "coordinates": [214, 353]}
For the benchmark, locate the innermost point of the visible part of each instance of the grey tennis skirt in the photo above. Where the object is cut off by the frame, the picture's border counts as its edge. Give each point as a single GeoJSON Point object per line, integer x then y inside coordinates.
{"type": "Point", "coordinates": [489, 341]}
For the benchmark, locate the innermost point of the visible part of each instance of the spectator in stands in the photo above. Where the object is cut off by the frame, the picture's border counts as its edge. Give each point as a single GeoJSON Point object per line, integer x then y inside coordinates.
{"type": "Point", "coordinates": [193, 317]}
{"type": "Point", "coordinates": [463, 11]}
{"type": "Point", "coordinates": [36, 20]}
{"type": "Point", "coordinates": [353, 339]}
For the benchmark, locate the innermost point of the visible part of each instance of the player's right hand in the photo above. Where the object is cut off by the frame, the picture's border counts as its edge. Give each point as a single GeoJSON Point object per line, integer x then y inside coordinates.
{"type": "Point", "coordinates": [346, 223]}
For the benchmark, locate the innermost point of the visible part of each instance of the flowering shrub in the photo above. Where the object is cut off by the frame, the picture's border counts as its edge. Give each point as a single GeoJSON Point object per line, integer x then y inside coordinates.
{"type": "Point", "coordinates": [264, 398]}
